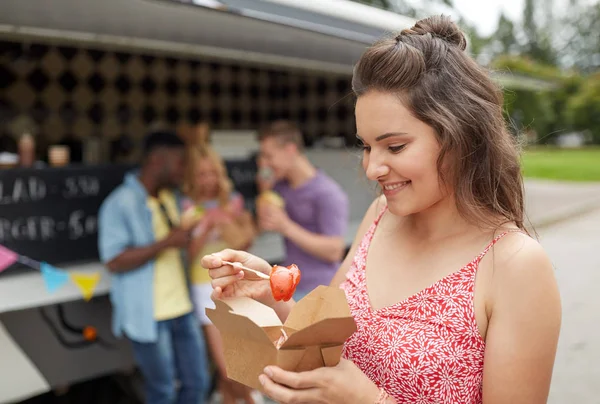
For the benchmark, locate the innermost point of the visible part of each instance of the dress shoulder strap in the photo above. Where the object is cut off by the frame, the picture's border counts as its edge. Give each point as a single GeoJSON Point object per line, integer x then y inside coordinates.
{"type": "Point", "coordinates": [380, 214]}
{"type": "Point", "coordinates": [366, 240]}
{"type": "Point", "coordinates": [494, 241]}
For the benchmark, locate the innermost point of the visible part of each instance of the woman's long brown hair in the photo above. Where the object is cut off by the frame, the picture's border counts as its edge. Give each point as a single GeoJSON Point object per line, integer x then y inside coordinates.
{"type": "Point", "coordinates": [427, 67]}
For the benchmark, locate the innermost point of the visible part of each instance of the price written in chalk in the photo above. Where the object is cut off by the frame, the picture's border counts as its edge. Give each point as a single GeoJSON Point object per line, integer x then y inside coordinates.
{"type": "Point", "coordinates": [81, 186]}
{"type": "Point", "coordinates": [77, 225]}
{"type": "Point", "coordinates": [34, 189]}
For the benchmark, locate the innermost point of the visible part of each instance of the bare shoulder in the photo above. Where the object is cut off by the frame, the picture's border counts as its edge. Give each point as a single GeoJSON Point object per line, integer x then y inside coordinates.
{"type": "Point", "coordinates": [518, 255]}
{"type": "Point", "coordinates": [523, 275]}
{"type": "Point", "coordinates": [524, 326]}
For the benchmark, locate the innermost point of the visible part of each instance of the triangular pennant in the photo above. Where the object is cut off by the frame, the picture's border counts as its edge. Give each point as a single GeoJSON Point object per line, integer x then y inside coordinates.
{"type": "Point", "coordinates": [86, 283]}
{"type": "Point", "coordinates": [53, 277]}
{"type": "Point", "coordinates": [7, 258]}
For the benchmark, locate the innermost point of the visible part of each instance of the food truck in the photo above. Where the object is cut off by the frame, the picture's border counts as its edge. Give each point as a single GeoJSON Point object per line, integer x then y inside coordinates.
{"type": "Point", "coordinates": [93, 76]}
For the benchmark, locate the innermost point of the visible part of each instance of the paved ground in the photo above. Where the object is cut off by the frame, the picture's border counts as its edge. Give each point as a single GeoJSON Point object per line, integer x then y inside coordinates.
{"type": "Point", "coordinates": [574, 249]}
{"type": "Point", "coordinates": [547, 202]}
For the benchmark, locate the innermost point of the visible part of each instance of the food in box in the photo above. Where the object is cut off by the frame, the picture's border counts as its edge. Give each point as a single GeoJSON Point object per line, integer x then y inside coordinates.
{"type": "Point", "coordinates": [316, 330]}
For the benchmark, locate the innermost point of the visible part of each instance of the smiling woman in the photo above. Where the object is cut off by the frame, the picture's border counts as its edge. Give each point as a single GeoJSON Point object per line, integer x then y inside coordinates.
{"type": "Point", "coordinates": [436, 85]}
{"type": "Point", "coordinates": [438, 318]}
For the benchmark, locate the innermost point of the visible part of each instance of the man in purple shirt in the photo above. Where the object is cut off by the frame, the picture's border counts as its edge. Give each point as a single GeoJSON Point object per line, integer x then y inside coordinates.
{"type": "Point", "coordinates": [315, 218]}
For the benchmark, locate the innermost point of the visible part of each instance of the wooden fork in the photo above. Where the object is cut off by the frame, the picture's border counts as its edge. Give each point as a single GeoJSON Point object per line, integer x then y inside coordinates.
{"type": "Point", "coordinates": [254, 275]}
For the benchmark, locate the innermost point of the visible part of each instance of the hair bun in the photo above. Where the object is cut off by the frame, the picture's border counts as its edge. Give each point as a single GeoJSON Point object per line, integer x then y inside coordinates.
{"type": "Point", "coordinates": [439, 26]}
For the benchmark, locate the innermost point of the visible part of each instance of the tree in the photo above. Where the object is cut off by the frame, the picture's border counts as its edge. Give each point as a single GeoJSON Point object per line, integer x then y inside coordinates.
{"type": "Point", "coordinates": [505, 34]}
{"type": "Point", "coordinates": [477, 43]}
{"type": "Point", "coordinates": [543, 110]}
{"type": "Point", "coordinates": [578, 40]}
{"type": "Point", "coordinates": [537, 22]}
{"type": "Point", "coordinates": [502, 42]}
{"type": "Point", "coordinates": [583, 109]}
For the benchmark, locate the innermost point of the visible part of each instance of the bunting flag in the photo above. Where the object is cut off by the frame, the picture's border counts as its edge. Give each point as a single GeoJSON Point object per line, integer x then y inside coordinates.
{"type": "Point", "coordinates": [7, 258]}
{"type": "Point", "coordinates": [86, 283]}
{"type": "Point", "coordinates": [54, 278]}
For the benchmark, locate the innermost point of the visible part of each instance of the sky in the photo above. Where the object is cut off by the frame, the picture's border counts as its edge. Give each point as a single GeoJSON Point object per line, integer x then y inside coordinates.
{"type": "Point", "coordinates": [484, 14]}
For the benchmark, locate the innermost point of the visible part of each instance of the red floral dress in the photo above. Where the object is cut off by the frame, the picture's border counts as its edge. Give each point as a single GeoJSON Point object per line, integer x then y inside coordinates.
{"type": "Point", "coordinates": [425, 349]}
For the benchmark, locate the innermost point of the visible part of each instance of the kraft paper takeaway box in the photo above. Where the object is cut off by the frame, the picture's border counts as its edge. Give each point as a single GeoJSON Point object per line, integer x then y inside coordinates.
{"type": "Point", "coordinates": [316, 328]}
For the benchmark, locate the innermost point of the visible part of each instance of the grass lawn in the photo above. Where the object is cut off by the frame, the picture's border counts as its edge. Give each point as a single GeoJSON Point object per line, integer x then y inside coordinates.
{"type": "Point", "coordinates": [562, 164]}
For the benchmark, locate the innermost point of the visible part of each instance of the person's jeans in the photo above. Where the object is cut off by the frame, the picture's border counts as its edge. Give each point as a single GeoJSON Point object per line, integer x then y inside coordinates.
{"type": "Point", "coordinates": [178, 355]}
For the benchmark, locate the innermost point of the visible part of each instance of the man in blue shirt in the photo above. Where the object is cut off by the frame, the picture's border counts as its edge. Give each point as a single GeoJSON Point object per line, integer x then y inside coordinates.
{"type": "Point", "coordinates": [142, 245]}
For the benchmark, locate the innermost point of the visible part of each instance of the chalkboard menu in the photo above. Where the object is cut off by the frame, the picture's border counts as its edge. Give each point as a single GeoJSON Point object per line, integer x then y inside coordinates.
{"type": "Point", "coordinates": [51, 214]}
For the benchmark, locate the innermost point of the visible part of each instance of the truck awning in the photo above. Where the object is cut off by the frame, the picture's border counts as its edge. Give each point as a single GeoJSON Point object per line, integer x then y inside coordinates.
{"type": "Point", "coordinates": [265, 32]}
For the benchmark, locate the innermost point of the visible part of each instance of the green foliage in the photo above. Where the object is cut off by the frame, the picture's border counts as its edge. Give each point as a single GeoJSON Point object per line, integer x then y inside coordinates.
{"type": "Point", "coordinates": [574, 104]}
{"type": "Point", "coordinates": [583, 109]}
{"type": "Point", "coordinates": [561, 120]}
{"type": "Point", "coordinates": [529, 111]}
{"type": "Point", "coordinates": [527, 66]}
{"type": "Point", "coordinates": [539, 111]}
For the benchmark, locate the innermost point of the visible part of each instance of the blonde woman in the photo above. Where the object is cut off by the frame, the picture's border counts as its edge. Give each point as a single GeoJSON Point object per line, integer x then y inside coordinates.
{"type": "Point", "coordinates": [223, 223]}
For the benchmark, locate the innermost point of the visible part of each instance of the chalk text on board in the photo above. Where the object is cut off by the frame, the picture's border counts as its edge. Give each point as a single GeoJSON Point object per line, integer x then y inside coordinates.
{"type": "Point", "coordinates": [30, 189]}
{"type": "Point", "coordinates": [81, 186]}
{"type": "Point", "coordinates": [44, 228]}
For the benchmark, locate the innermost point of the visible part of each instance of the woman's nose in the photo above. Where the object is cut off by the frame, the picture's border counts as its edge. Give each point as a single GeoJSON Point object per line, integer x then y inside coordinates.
{"type": "Point", "coordinates": [375, 168]}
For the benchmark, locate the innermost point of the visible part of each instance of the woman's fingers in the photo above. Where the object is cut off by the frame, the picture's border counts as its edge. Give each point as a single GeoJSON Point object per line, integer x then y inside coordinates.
{"type": "Point", "coordinates": [295, 380]}
{"type": "Point", "coordinates": [283, 394]}
{"type": "Point", "coordinates": [211, 261]}
{"type": "Point", "coordinates": [225, 276]}
{"type": "Point", "coordinates": [215, 260]}
{"type": "Point", "coordinates": [221, 272]}
{"type": "Point", "coordinates": [225, 281]}
{"type": "Point", "coordinates": [275, 391]}
{"type": "Point", "coordinates": [216, 293]}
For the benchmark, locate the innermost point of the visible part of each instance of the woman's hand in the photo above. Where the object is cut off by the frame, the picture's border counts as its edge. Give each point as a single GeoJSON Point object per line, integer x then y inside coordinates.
{"type": "Point", "coordinates": [273, 218]}
{"type": "Point", "coordinates": [344, 383]}
{"type": "Point", "coordinates": [228, 281]}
